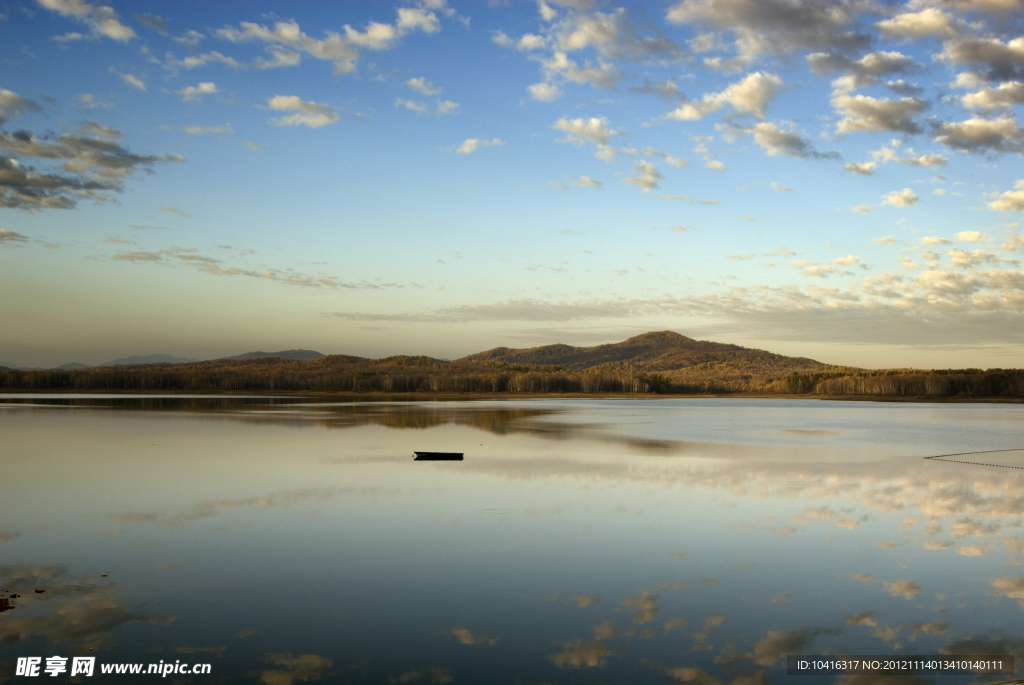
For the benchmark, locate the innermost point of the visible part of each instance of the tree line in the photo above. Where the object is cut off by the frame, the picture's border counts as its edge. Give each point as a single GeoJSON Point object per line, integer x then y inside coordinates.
{"type": "Point", "coordinates": [413, 375]}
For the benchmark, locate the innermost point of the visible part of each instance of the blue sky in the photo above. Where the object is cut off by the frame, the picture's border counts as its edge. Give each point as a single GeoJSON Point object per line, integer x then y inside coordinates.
{"type": "Point", "coordinates": [840, 180]}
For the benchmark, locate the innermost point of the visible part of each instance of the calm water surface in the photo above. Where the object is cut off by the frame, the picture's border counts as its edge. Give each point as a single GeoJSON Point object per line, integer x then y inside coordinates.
{"type": "Point", "coordinates": [600, 541]}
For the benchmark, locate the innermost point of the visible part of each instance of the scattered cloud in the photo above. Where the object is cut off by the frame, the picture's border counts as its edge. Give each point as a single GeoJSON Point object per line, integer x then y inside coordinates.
{"type": "Point", "coordinates": [8, 238]}
{"type": "Point", "coordinates": [311, 114]}
{"type": "Point", "coordinates": [195, 61]}
{"type": "Point", "coordinates": [342, 50]}
{"type": "Point", "coordinates": [196, 129]}
{"type": "Point", "coordinates": [190, 256]}
{"type": "Point", "coordinates": [133, 81]}
{"type": "Point", "coordinates": [470, 145]}
{"type": "Point", "coordinates": [195, 93]}
{"type": "Point", "coordinates": [779, 143]}
{"type": "Point", "coordinates": [544, 92]}
{"type": "Point", "coordinates": [901, 198]}
{"type": "Point", "coordinates": [870, 114]}
{"type": "Point", "coordinates": [750, 95]}
{"type": "Point", "coordinates": [1010, 200]}
{"type": "Point", "coordinates": [442, 106]}
{"type": "Point", "coordinates": [980, 135]}
{"type": "Point", "coordinates": [423, 86]}
{"type": "Point", "coordinates": [95, 165]}
{"type": "Point", "coordinates": [12, 104]}
{"type": "Point", "coordinates": [929, 22]}
{"type": "Point", "coordinates": [645, 175]}
{"type": "Point", "coordinates": [102, 21]}
{"type": "Point", "coordinates": [775, 27]}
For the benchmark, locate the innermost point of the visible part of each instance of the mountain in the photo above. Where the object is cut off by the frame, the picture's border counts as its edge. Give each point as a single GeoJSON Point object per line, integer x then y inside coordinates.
{"type": "Point", "coordinates": [297, 355]}
{"type": "Point", "coordinates": [9, 366]}
{"type": "Point", "coordinates": [71, 366]}
{"type": "Point", "coordinates": [149, 359]}
{"type": "Point", "coordinates": [660, 362]}
{"type": "Point", "coordinates": [651, 352]}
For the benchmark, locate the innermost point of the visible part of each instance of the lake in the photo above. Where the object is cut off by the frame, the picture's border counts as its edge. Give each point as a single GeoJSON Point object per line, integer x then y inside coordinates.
{"type": "Point", "coordinates": [286, 540]}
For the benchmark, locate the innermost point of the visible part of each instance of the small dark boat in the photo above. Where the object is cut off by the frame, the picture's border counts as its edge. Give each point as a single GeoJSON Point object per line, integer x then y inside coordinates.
{"type": "Point", "coordinates": [438, 456]}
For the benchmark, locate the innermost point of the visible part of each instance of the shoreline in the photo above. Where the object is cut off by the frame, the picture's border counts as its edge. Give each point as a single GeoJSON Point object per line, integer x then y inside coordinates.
{"type": "Point", "coordinates": [507, 396]}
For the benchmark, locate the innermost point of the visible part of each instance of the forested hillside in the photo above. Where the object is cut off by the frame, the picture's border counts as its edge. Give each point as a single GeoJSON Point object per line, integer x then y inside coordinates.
{"type": "Point", "coordinates": [662, 362]}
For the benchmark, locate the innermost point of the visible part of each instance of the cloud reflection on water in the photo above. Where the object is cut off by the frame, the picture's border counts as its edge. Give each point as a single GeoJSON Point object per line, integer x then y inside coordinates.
{"type": "Point", "coordinates": [75, 612]}
{"type": "Point", "coordinates": [726, 505]}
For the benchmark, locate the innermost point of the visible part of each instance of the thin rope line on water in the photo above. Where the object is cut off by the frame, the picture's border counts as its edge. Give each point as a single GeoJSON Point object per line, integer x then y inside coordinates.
{"type": "Point", "coordinates": [942, 457]}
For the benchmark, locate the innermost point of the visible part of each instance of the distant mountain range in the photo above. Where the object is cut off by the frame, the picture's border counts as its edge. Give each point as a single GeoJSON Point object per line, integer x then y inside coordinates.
{"type": "Point", "coordinates": [297, 355]}
{"type": "Point", "coordinates": [139, 360]}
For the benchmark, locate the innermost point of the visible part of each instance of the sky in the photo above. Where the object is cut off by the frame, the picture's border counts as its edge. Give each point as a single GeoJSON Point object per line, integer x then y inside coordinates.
{"type": "Point", "coordinates": [838, 180]}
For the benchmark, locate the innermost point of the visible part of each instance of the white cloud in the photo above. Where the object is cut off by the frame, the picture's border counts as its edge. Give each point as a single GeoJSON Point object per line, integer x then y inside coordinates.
{"type": "Point", "coordinates": [501, 38]}
{"type": "Point", "coordinates": [970, 236]}
{"type": "Point", "coordinates": [102, 20]}
{"type": "Point", "coordinates": [1004, 95]}
{"type": "Point", "coordinates": [202, 60]}
{"type": "Point", "coordinates": [312, 114]}
{"type": "Point", "coordinates": [530, 41]}
{"type": "Point", "coordinates": [891, 153]}
{"type": "Point", "coordinates": [645, 175]}
{"type": "Point", "coordinates": [281, 57]}
{"type": "Point", "coordinates": [544, 92]}
{"type": "Point", "coordinates": [411, 105]}
{"type": "Point", "coordinates": [978, 134]}
{"type": "Point", "coordinates": [928, 22]}
{"type": "Point", "coordinates": [195, 93]}
{"type": "Point", "coordinates": [748, 96]}
{"type": "Point", "coordinates": [1010, 200]}
{"type": "Point", "coordinates": [587, 182]}
{"type": "Point", "coordinates": [447, 107]}
{"type": "Point", "coordinates": [472, 144]}
{"type": "Point", "coordinates": [901, 198]}
{"type": "Point", "coordinates": [865, 169]}
{"type": "Point", "coordinates": [934, 241]}
{"type": "Point", "coordinates": [441, 108]}
{"type": "Point", "coordinates": [423, 86]}
{"type": "Point", "coordinates": [132, 81]}
{"type": "Point", "coordinates": [343, 51]}
{"type": "Point", "coordinates": [594, 129]}
{"type": "Point", "coordinates": [413, 18]}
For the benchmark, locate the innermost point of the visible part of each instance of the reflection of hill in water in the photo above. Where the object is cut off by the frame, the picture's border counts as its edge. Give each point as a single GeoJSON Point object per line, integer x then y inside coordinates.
{"type": "Point", "coordinates": [536, 421]}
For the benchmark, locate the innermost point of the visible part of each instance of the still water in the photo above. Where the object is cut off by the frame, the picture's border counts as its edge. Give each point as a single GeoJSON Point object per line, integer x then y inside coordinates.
{"type": "Point", "coordinates": [287, 540]}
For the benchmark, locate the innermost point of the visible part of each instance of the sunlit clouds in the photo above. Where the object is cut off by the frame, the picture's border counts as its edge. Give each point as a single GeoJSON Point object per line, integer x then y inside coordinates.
{"type": "Point", "coordinates": [370, 144]}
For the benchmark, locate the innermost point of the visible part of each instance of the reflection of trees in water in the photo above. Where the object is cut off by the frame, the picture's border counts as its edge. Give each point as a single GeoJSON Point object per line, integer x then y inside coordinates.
{"type": "Point", "coordinates": [76, 612]}
{"type": "Point", "coordinates": [352, 412]}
